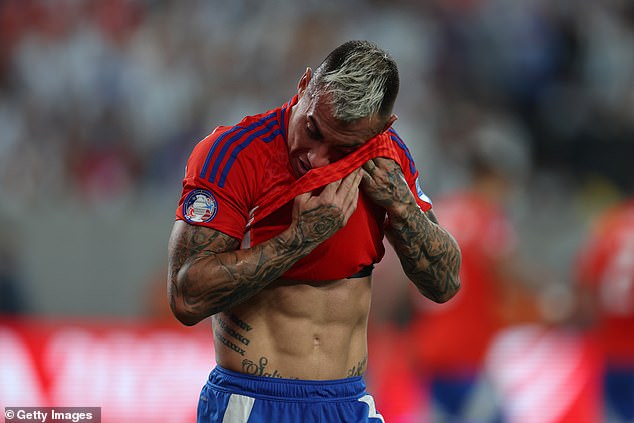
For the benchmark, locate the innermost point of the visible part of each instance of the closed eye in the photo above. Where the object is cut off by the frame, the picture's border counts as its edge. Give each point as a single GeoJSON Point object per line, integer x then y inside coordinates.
{"type": "Point", "coordinates": [312, 129]}
{"type": "Point", "coordinates": [312, 133]}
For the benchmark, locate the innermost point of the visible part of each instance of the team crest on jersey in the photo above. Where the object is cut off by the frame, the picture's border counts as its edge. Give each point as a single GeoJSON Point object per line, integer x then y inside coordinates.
{"type": "Point", "coordinates": [421, 194]}
{"type": "Point", "coordinates": [200, 206]}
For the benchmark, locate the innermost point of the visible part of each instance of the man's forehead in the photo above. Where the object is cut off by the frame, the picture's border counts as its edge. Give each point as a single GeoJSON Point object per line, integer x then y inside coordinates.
{"type": "Point", "coordinates": [321, 111]}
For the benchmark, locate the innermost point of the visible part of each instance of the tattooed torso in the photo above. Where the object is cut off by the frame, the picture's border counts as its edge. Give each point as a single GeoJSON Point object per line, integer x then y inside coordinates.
{"type": "Point", "coordinates": [297, 330]}
{"type": "Point", "coordinates": [267, 326]}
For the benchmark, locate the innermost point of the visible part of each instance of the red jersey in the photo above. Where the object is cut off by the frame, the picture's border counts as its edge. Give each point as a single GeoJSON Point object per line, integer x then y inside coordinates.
{"type": "Point", "coordinates": [455, 335]}
{"type": "Point", "coordinates": [239, 181]}
{"type": "Point", "coordinates": [606, 265]}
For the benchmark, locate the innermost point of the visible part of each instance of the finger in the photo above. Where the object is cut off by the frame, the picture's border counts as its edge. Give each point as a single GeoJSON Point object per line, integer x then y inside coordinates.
{"type": "Point", "coordinates": [360, 173]}
{"type": "Point", "coordinates": [370, 167]}
{"type": "Point", "coordinates": [302, 198]}
{"type": "Point", "coordinates": [330, 190]}
{"type": "Point", "coordinates": [351, 206]}
{"type": "Point", "coordinates": [381, 161]}
{"type": "Point", "coordinates": [352, 195]}
{"type": "Point", "coordinates": [349, 182]}
{"type": "Point", "coordinates": [366, 177]}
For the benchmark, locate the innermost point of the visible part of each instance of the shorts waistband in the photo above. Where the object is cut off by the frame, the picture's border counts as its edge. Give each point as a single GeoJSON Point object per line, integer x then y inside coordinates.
{"type": "Point", "coordinates": [351, 388]}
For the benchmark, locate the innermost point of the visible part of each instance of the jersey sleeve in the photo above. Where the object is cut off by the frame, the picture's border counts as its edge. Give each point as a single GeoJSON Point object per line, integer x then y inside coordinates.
{"type": "Point", "coordinates": [410, 172]}
{"type": "Point", "coordinates": [208, 201]}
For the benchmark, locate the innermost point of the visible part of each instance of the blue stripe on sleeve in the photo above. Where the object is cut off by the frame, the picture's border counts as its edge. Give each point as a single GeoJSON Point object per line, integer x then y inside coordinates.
{"type": "Point", "coordinates": [243, 145]}
{"type": "Point", "coordinates": [283, 120]}
{"type": "Point", "coordinates": [233, 139]}
{"type": "Point", "coordinates": [217, 142]}
{"type": "Point", "coordinates": [401, 144]}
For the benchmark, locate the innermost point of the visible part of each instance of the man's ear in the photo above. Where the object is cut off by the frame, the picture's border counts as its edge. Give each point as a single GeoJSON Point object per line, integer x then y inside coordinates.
{"type": "Point", "coordinates": [389, 122]}
{"type": "Point", "coordinates": [303, 81]}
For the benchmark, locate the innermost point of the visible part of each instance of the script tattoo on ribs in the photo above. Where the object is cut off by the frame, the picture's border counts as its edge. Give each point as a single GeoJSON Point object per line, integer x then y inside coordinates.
{"type": "Point", "coordinates": [241, 324]}
{"type": "Point", "coordinates": [359, 368]}
{"type": "Point", "coordinates": [226, 328]}
{"type": "Point", "coordinates": [229, 344]}
{"type": "Point", "coordinates": [260, 368]}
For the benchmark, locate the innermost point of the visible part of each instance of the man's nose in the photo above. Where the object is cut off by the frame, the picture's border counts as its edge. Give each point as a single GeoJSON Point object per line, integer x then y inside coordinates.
{"type": "Point", "coordinates": [319, 156]}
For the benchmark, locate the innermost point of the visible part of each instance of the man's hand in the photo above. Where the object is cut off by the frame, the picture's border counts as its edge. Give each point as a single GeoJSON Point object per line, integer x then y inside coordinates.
{"type": "Point", "coordinates": [317, 217]}
{"type": "Point", "coordinates": [384, 182]}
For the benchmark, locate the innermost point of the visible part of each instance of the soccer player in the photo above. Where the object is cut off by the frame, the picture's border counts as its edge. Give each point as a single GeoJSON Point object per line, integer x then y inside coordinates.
{"type": "Point", "coordinates": [279, 225]}
{"type": "Point", "coordinates": [605, 274]}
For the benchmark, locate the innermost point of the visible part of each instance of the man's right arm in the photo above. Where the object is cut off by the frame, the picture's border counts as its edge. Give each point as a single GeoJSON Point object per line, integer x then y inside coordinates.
{"type": "Point", "coordinates": [209, 274]}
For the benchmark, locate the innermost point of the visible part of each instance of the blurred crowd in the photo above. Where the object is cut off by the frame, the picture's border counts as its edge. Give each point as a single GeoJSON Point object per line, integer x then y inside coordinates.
{"type": "Point", "coordinates": [528, 104]}
{"type": "Point", "coordinates": [101, 97]}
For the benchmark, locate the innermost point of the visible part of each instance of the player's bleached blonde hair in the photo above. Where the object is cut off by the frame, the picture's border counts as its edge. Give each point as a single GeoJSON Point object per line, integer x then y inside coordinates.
{"type": "Point", "coordinates": [362, 80]}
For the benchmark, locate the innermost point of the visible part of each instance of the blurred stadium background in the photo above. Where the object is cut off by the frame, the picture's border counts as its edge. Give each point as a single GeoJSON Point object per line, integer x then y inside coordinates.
{"type": "Point", "coordinates": [101, 102]}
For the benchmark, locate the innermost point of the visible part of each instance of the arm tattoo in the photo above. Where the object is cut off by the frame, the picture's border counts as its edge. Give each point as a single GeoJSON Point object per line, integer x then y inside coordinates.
{"type": "Point", "coordinates": [317, 224]}
{"type": "Point", "coordinates": [188, 244]}
{"type": "Point", "coordinates": [209, 274]}
{"type": "Point", "coordinates": [429, 254]}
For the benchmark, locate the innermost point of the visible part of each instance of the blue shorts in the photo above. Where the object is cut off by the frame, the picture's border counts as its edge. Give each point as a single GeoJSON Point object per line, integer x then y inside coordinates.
{"type": "Point", "coordinates": [231, 397]}
{"type": "Point", "coordinates": [618, 384]}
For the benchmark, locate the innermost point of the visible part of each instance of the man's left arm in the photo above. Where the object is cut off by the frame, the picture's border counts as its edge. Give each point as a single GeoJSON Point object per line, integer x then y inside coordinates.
{"type": "Point", "coordinates": [430, 256]}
